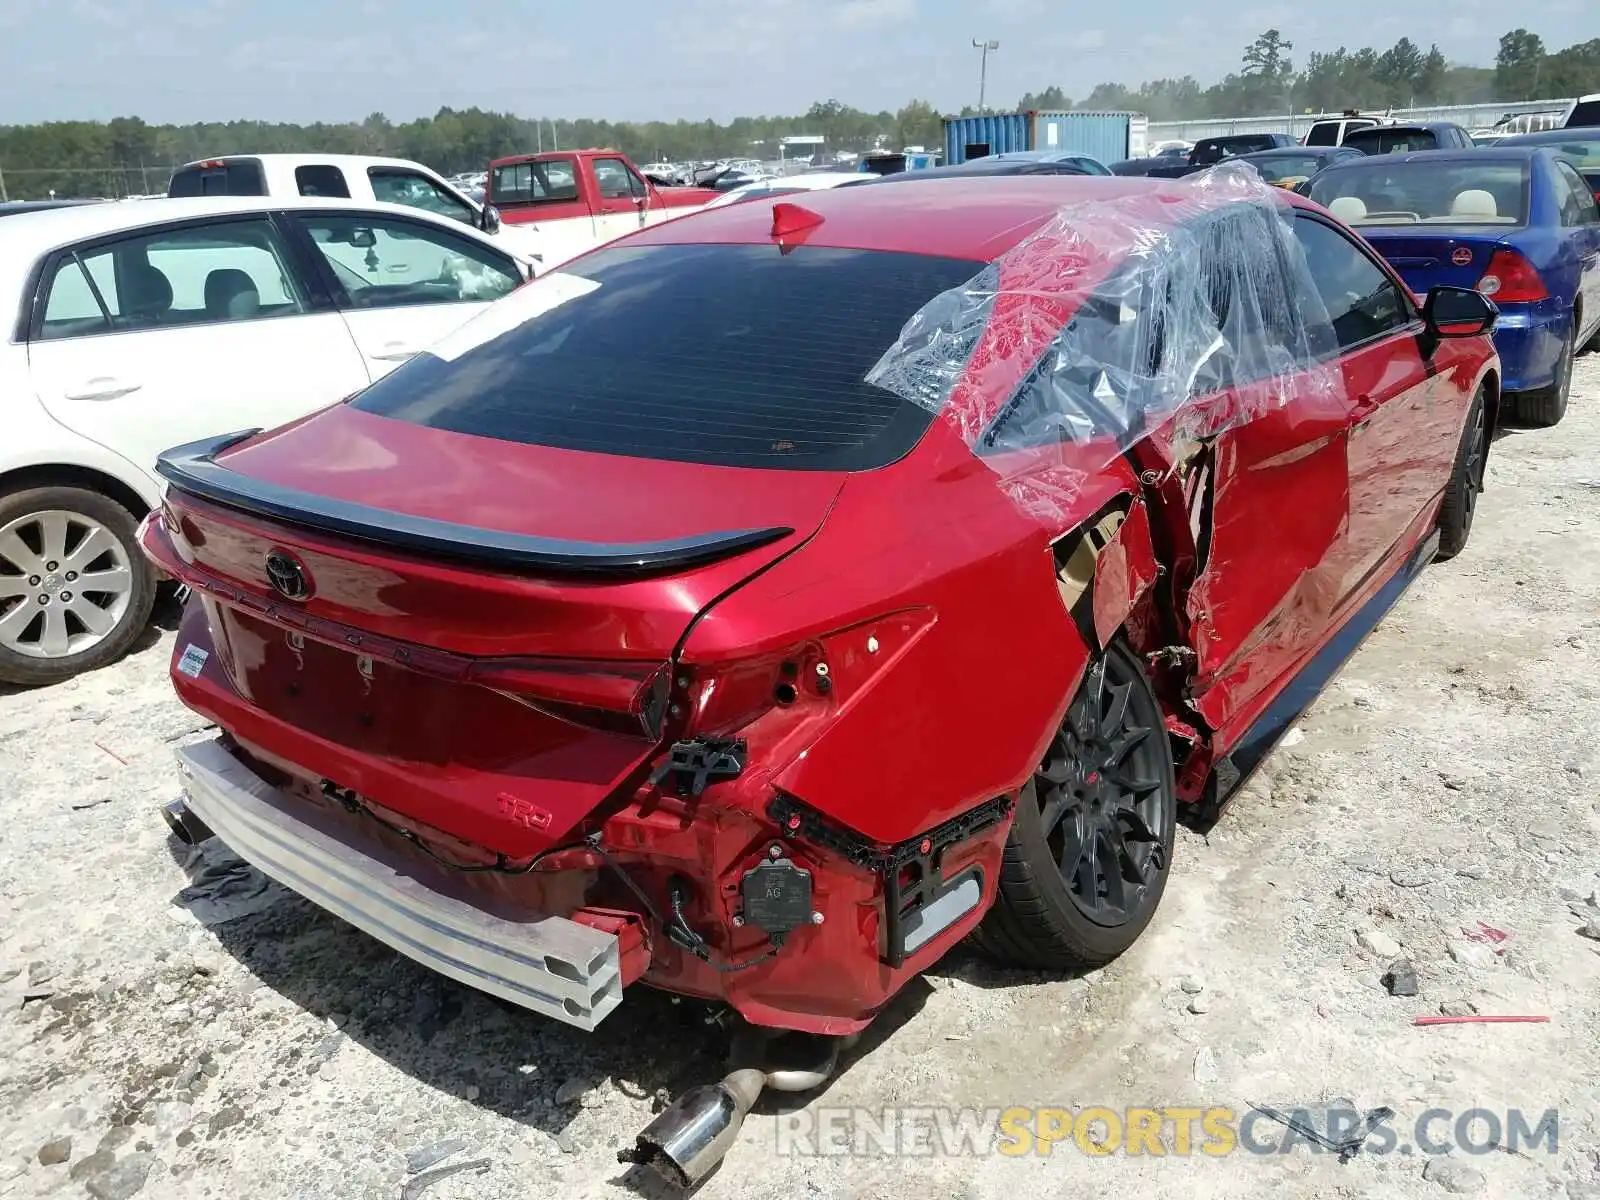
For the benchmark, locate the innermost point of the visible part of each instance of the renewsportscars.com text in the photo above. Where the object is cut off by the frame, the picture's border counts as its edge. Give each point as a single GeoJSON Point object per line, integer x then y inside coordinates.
{"type": "Point", "coordinates": [1215, 1132]}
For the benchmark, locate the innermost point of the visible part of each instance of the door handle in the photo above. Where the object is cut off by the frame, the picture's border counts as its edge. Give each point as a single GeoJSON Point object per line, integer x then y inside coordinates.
{"type": "Point", "coordinates": [1366, 408]}
{"type": "Point", "coordinates": [396, 352]}
{"type": "Point", "coordinates": [102, 388]}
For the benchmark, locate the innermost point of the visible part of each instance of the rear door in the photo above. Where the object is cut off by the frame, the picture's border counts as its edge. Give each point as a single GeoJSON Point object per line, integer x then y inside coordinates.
{"type": "Point", "coordinates": [401, 284]}
{"type": "Point", "coordinates": [153, 338]}
{"type": "Point", "coordinates": [1402, 420]}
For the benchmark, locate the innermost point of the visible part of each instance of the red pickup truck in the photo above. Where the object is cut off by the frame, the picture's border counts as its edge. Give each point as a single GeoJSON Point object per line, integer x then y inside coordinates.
{"type": "Point", "coordinates": [579, 199]}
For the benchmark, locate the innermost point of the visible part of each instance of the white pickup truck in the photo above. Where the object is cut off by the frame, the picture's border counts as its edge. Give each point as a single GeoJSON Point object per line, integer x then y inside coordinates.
{"type": "Point", "coordinates": [358, 177]}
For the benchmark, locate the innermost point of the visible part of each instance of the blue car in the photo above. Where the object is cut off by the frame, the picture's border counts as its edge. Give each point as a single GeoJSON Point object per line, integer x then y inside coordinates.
{"type": "Point", "coordinates": [1517, 223]}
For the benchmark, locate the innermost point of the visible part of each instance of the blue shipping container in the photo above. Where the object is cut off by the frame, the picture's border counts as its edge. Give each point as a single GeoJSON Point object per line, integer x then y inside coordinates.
{"type": "Point", "coordinates": [1101, 135]}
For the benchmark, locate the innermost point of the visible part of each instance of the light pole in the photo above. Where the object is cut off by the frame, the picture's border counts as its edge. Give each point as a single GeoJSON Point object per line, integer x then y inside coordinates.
{"type": "Point", "coordinates": [983, 67]}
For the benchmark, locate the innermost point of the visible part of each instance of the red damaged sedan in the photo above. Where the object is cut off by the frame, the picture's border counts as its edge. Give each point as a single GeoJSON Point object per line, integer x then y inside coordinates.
{"type": "Point", "coordinates": [757, 606]}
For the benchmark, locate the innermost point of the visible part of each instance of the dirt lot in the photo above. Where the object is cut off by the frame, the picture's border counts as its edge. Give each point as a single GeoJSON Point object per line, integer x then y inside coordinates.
{"type": "Point", "coordinates": [1447, 778]}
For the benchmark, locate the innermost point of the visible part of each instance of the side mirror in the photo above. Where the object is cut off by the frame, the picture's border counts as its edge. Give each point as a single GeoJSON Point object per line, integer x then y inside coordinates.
{"type": "Point", "coordinates": [1455, 312]}
{"type": "Point", "coordinates": [489, 221]}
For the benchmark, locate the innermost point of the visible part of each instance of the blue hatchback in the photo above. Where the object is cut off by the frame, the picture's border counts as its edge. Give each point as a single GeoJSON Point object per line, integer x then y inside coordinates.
{"type": "Point", "coordinates": [1519, 224]}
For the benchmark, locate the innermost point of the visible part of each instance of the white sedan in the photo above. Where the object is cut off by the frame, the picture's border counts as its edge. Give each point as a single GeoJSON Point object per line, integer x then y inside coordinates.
{"type": "Point", "coordinates": [142, 326]}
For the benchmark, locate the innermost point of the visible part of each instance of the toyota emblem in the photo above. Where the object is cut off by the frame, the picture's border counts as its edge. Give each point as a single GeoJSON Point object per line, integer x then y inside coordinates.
{"type": "Point", "coordinates": [288, 577]}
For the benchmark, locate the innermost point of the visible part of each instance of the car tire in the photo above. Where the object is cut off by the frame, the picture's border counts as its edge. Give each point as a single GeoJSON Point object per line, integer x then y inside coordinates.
{"type": "Point", "coordinates": [91, 537]}
{"type": "Point", "coordinates": [1466, 482]}
{"type": "Point", "coordinates": [1546, 406]}
{"type": "Point", "coordinates": [1106, 783]}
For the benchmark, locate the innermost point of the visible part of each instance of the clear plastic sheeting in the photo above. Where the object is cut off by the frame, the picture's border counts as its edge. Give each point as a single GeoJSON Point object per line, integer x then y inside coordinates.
{"type": "Point", "coordinates": [1176, 313]}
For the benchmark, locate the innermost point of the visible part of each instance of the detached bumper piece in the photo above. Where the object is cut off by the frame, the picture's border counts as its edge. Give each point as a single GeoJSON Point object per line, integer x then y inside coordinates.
{"type": "Point", "coordinates": [549, 965]}
{"type": "Point", "coordinates": [918, 902]}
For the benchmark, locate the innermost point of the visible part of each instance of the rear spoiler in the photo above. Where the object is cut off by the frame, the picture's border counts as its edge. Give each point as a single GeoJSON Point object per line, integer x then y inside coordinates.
{"type": "Point", "coordinates": [192, 468]}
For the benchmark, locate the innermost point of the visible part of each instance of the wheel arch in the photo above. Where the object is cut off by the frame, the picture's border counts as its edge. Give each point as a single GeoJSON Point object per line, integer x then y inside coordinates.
{"type": "Point", "coordinates": [62, 474]}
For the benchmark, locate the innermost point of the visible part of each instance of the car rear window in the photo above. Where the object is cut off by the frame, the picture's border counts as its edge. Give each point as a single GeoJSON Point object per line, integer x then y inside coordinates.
{"type": "Point", "coordinates": [548, 182]}
{"type": "Point", "coordinates": [1584, 112]}
{"type": "Point", "coordinates": [736, 355]}
{"type": "Point", "coordinates": [230, 177]}
{"type": "Point", "coordinates": [1391, 141]}
{"type": "Point", "coordinates": [1381, 192]}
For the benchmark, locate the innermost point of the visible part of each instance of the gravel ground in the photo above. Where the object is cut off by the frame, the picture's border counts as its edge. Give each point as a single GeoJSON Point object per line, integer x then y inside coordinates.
{"type": "Point", "coordinates": [1447, 778]}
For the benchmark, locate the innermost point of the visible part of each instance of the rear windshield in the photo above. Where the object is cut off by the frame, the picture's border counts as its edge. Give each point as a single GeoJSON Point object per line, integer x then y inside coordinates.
{"type": "Point", "coordinates": [1391, 141]}
{"type": "Point", "coordinates": [731, 355]}
{"type": "Point", "coordinates": [235, 177]}
{"type": "Point", "coordinates": [1585, 112]}
{"type": "Point", "coordinates": [1379, 192]}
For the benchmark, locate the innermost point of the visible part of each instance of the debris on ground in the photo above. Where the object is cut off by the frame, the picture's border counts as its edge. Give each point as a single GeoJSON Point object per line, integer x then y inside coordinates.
{"type": "Point", "coordinates": [418, 1184]}
{"type": "Point", "coordinates": [424, 1157]}
{"type": "Point", "coordinates": [1401, 978]}
{"type": "Point", "coordinates": [1481, 1019]}
{"type": "Point", "coordinates": [1453, 1175]}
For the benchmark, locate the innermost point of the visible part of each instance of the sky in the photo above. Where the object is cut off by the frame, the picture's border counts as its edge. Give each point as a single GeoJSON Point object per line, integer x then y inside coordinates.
{"type": "Point", "coordinates": [632, 60]}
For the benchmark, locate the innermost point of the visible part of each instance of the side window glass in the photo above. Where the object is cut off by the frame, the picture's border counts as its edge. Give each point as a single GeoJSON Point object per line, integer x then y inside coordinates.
{"type": "Point", "coordinates": [613, 179]}
{"type": "Point", "coordinates": [418, 191]}
{"type": "Point", "coordinates": [1578, 207]}
{"type": "Point", "coordinates": [383, 263]}
{"type": "Point", "coordinates": [236, 271]}
{"type": "Point", "coordinates": [72, 307]}
{"type": "Point", "coordinates": [321, 179]}
{"type": "Point", "coordinates": [1362, 302]}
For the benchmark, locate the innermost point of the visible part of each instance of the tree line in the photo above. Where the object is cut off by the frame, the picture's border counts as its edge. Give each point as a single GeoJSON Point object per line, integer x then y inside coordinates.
{"type": "Point", "coordinates": [126, 156]}
{"type": "Point", "coordinates": [1403, 76]}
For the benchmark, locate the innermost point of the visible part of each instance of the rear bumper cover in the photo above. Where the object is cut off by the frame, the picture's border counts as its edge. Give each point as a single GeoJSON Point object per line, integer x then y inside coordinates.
{"type": "Point", "coordinates": [1530, 339]}
{"type": "Point", "coordinates": [549, 965]}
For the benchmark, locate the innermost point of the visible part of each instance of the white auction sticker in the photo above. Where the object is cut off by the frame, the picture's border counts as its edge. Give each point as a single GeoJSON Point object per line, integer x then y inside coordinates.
{"type": "Point", "coordinates": [192, 661]}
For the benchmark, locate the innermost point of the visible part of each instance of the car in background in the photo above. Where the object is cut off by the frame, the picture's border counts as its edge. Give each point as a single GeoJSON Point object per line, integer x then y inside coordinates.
{"type": "Point", "coordinates": [1584, 112]}
{"type": "Point", "coordinates": [786, 185]}
{"type": "Point", "coordinates": [1403, 139]}
{"type": "Point", "coordinates": [1580, 147]}
{"type": "Point", "coordinates": [996, 166]}
{"type": "Point", "coordinates": [1207, 152]}
{"type": "Point", "coordinates": [1334, 130]}
{"type": "Point", "coordinates": [1517, 223]}
{"type": "Point", "coordinates": [11, 208]}
{"type": "Point", "coordinates": [344, 177]}
{"type": "Point", "coordinates": [138, 326]}
{"type": "Point", "coordinates": [1290, 166]}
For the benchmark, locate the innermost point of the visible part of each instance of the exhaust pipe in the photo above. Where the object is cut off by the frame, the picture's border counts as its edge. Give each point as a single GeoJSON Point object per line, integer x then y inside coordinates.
{"type": "Point", "coordinates": [686, 1142]}
{"type": "Point", "coordinates": [185, 826]}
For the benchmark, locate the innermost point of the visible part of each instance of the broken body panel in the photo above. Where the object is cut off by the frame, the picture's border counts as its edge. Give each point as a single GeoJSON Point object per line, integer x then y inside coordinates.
{"type": "Point", "coordinates": [1122, 445]}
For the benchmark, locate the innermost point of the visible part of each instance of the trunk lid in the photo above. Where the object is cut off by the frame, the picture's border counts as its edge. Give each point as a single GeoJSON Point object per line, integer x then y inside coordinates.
{"type": "Point", "coordinates": [1446, 255]}
{"type": "Point", "coordinates": [484, 639]}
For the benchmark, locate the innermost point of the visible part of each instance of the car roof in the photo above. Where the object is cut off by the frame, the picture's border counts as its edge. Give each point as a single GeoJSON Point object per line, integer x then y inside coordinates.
{"type": "Point", "coordinates": [1551, 137]}
{"type": "Point", "coordinates": [30, 234]}
{"type": "Point", "coordinates": [1402, 127]}
{"type": "Point", "coordinates": [1495, 153]}
{"type": "Point", "coordinates": [1289, 152]}
{"type": "Point", "coordinates": [972, 218]}
{"type": "Point", "coordinates": [292, 160]}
